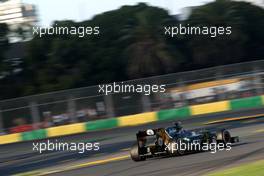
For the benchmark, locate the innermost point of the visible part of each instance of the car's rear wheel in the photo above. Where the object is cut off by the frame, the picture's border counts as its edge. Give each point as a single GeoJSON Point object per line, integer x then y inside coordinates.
{"type": "Point", "coordinates": [134, 154]}
{"type": "Point", "coordinates": [175, 148]}
{"type": "Point", "coordinates": [181, 150]}
{"type": "Point", "coordinates": [171, 150]}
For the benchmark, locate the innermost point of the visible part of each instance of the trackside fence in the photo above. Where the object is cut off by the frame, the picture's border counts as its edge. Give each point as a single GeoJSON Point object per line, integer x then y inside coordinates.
{"type": "Point", "coordinates": [183, 90]}
{"type": "Point", "coordinates": [137, 119]}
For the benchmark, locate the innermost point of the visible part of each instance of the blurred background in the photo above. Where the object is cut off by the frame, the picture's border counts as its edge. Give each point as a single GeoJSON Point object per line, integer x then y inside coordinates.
{"type": "Point", "coordinates": [52, 80]}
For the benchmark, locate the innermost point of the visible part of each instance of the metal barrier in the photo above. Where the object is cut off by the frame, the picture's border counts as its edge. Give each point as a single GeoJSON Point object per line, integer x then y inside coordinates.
{"type": "Point", "coordinates": [86, 104]}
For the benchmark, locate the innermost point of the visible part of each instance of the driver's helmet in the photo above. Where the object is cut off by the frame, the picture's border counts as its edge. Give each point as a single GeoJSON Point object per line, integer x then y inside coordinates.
{"type": "Point", "coordinates": [177, 126]}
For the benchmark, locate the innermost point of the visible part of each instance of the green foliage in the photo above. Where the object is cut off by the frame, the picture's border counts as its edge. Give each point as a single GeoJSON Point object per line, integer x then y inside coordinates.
{"type": "Point", "coordinates": [3, 46]}
{"type": "Point", "coordinates": [132, 44]}
{"type": "Point", "coordinates": [61, 62]}
{"type": "Point", "coordinates": [247, 22]}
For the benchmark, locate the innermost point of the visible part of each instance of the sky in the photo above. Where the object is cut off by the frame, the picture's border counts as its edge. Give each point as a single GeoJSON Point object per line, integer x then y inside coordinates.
{"type": "Point", "coordinates": [79, 10]}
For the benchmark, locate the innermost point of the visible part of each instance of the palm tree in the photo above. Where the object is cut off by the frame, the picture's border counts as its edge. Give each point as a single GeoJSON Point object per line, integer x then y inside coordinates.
{"type": "Point", "coordinates": [147, 52]}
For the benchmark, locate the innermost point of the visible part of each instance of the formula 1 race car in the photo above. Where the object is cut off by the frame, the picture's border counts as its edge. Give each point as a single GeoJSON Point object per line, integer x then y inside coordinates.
{"type": "Point", "coordinates": [174, 140]}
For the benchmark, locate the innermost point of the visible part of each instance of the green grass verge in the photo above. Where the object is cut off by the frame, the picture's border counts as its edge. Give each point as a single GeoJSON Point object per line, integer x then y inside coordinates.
{"type": "Point", "coordinates": [251, 169]}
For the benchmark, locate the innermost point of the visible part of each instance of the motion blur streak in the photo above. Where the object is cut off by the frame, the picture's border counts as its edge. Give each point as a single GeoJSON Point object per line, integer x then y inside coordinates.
{"type": "Point", "coordinates": [233, 119]}
{"type": "Point", "coordinates": [210, 108]}
{"type": "Point", "coordinates": [10, 138]}
{"type": "Point", "coordinates": [113, 160]}
{"type": "Point", "coordinates": [137, 119]}
{"type": "Point", "coordinates": [64, 130]}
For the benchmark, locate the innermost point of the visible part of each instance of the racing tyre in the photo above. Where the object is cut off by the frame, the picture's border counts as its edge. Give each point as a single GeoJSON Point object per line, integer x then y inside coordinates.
{"type": "Point", "coordinates": [223, 136]}
{"type": "Point", "coordinates": [135, 155]}
{"type": "Point", "coordinates": [174, 149]}
{"type": "Point", "coordinates": [180, 151]}
{"type": "Point", "coordinates": [171, 149]}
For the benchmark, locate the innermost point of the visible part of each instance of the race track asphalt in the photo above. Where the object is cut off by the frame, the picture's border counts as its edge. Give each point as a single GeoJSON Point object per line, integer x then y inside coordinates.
{"type": "Point", "coordinates": [112, 158]}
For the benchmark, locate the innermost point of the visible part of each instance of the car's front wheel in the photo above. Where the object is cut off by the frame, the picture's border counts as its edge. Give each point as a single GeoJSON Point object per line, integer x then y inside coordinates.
{"type": "Point", "coordinates": [223, 136]}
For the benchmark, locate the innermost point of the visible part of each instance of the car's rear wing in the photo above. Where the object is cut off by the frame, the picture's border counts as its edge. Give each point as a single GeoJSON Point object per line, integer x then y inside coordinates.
{"type": "Point", "coordinates": [151, 140]}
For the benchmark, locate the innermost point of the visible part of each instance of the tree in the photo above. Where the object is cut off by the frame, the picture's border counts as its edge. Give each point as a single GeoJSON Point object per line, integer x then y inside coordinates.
{"type": "Point", "coordinates": [243, 44]}
{"type": "Point", "coordinates": [132, 44]}
{"type": "Point", "coordinates": [105, 58]}
{"type": "Point", "coordinates": [3, 47]}
{"type": "Point", "coordinates": [9, 84]}
{"type": "Point", "coordinates": [148, 52]}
